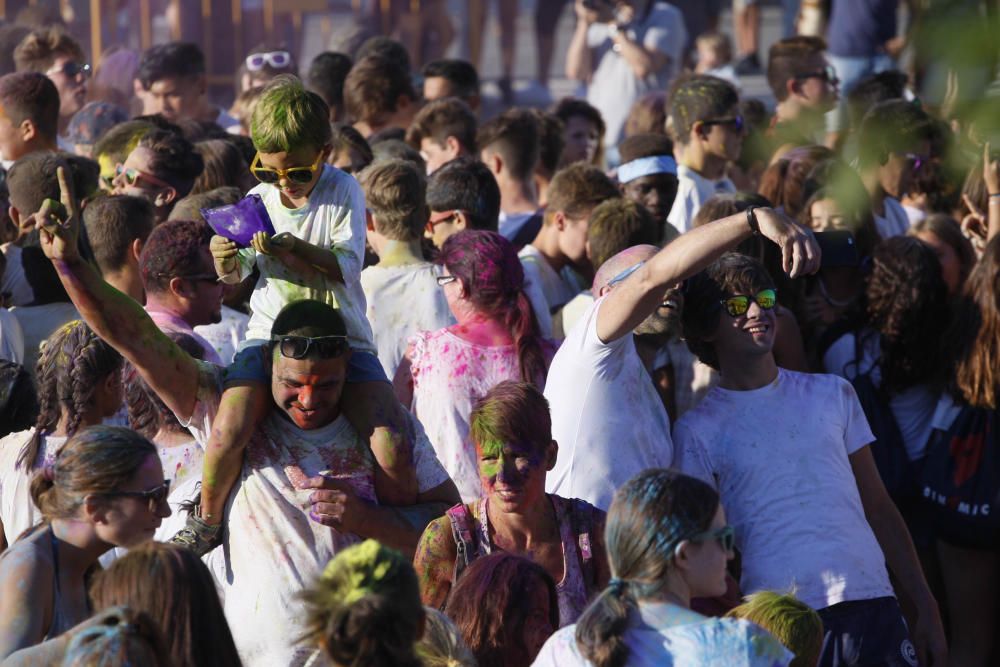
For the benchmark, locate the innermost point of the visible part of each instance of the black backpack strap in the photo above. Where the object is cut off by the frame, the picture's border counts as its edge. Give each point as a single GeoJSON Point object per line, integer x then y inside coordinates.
{"type": "Point", "coordinates": [465, 541]}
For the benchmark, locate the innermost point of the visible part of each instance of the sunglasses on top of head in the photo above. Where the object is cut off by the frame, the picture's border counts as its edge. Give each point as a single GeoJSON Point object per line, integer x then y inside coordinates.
{"type": "Point", "coordinates": [739, 304]}
{"type": "Point", "coordinates": [255, 62]}
{"type": "Point", "coordinates": [297, 175]}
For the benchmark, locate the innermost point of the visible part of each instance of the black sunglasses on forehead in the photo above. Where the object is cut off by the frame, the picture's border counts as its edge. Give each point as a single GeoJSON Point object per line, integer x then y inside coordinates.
{"type": "Point", "coordinates": [299, 347]}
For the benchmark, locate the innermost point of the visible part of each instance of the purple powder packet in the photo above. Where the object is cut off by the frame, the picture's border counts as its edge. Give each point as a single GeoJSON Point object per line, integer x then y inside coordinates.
{"type": "Point", "coordinates": [240, 221]}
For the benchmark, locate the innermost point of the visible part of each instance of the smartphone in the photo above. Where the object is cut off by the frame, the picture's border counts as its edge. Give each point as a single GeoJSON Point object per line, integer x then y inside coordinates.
{"type": "Point", "coordinates": [598, 5]}
{"type": "Point", "coordinates": [838, 248]}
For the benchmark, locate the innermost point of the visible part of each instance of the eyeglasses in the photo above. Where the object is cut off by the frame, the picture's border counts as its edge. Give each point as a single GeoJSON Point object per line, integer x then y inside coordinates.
{"type": "Point", "coordinates": [154, 497]}
{"type": "Point", "coordinates": [72, 70]}
{"type": "Point", "coordinates": [624, 274]}
{"type": "Point", "coordinates": [298, 347]}
{"type": "Point", "coordinates": [132, 176]}
{"type": "Point", "coordinates": [299, 175]}
{"type": "Point", "coordinates": [827, 74]}
{"type": "Point", "coordinates": [735, 121]}
{"type": "Point", "coordinates": [444, 280]}
{"type": "Point", "coordinates": [739, 304]}
{"type": "Point", "coordinates": [725, 535]}
{"type": "Point", "coordinates": [442, 217]}
{"type": "Point", "coordinates": [255, 62]}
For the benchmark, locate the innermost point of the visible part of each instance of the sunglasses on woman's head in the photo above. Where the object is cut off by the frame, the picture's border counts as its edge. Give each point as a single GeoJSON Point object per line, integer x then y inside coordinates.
{"type": "Point", "coordinates": [255, 62]}
{"type": "Point", "coordinates": [297, 175]}
{"type": "Point", "coordinates": [299, 347]}
{"type": "Point", "coordinates": [739, 304]}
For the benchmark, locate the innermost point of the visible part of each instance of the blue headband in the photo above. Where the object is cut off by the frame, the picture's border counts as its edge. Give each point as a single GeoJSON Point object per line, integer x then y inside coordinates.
{"type": "Point", "coordinates": [646, 166]}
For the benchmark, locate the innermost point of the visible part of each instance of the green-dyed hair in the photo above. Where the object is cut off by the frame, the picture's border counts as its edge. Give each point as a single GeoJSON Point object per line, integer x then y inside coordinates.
{"type": "Point", "coordinates": [512, 412]}
{"type": "Point", "coordinates": [365, 608]}
{"type": "Point", "coordinates": [699, 98]}
{"type": "Point", "coordinates": [792, 622]}
{"type": "Point", "coordinates": [288, 117]}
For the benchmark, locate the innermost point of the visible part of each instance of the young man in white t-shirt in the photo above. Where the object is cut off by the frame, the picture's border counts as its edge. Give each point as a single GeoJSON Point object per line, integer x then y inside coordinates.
{"type": "Point", "coordinates": [508, 146]}
{"type": "Point", "coordinates": [557, 260]}
{"type": "Point", "coordinates": [893, 144]}
{"type": "Point", "coordinates": [401, 290]}
{"type": "Point", "coordinates": [606, 415]}
{"type": "Point", "coordinates": [708, 133]}
{"type": "Point", "coordinates": [788, 453]}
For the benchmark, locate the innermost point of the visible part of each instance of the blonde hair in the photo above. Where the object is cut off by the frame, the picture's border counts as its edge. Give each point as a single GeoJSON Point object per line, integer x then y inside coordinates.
{"type": "Point", "coordinates": [288, 117]}
{"type": "Point", "coordinates": [442, 644]}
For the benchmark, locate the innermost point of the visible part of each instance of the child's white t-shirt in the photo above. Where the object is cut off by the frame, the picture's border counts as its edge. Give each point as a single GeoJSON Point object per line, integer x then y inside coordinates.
{"type": "Point", "coordinates": [333, 218]}
{"type": "Point", "coordinates": [778, 456]}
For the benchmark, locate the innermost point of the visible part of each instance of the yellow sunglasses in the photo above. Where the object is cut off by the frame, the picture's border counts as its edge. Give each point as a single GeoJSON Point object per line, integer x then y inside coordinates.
{"type": "Point", "coordinates": [298, 175]}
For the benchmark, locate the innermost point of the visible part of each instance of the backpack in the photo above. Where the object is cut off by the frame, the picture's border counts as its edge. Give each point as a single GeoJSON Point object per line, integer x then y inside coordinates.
{"type": "Point", "coordinates": [961, 479]}
{"type": "Point", "coordinates": [888, 449]}
{"type": "Point", "coordinates": [463, 530]}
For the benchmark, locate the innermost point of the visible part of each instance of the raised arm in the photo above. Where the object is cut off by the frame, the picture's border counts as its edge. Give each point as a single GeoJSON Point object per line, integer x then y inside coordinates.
{"type": "Point", "coordinates": [115, 317]}
{"type": "Point", "coordinates": [578, 55]}
{"type": "Point", "coordinates": [634, 299]}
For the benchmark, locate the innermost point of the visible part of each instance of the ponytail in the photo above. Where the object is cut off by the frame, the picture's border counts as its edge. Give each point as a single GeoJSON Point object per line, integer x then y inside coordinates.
{"type": "Point", "coordinates": [523, 326]}
{"type": "Point", "coordinates": [600, 630]}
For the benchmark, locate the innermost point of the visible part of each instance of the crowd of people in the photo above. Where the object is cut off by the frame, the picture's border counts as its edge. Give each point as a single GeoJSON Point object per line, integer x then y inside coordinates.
{"type": "Point", "coordinates": [352, 373]}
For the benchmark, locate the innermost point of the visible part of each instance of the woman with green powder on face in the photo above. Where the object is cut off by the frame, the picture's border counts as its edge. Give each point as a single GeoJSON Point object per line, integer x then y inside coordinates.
{"type": "Point", "coordinates": [512, 432]}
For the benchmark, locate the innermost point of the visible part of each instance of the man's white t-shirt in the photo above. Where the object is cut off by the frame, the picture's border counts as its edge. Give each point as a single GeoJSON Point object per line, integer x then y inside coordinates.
{"type": "Point", "coordinates": [17, 509]}
{"type": "Point", "coordinates": [895, 222]}
{"type": "Point", "coordinates": [913, 408]}
{"type": "Point", "coordinates": [271, 548]}
{"type": "Point", "coordinates": [403, 300]}
{"type": "Point", "coordinates": [333, 219]}
{"type": "Point", "coordinates": [778, 456]}
{"type": "Point", "coordinates": [607, 418]}
{"type": "Point", "coordinates": [693, 190]}
{"type": "Point", "coordinates": [558, 287]}
{"type": "Point", "coordinates": [614, 86]}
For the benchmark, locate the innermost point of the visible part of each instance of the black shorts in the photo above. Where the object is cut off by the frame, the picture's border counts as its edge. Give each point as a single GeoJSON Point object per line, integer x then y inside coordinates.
{"type": "Point", "coordinates": [866, 633]}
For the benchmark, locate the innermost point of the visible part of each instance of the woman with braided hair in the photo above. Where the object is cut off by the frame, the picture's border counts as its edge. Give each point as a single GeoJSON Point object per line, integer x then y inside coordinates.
{"type": "Point", "coordinates": [667, 542]}
{"type": "Point", "coordinates": [105, 488]}
{"type": "Point", "coordinates": [79, 384]}
{"type": "Point", "coordinates": [497, 338]}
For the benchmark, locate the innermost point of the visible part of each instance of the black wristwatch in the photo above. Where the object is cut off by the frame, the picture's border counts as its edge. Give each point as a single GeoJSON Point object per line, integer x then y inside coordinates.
{"type": "Point", "coordinates": [752, 220]}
